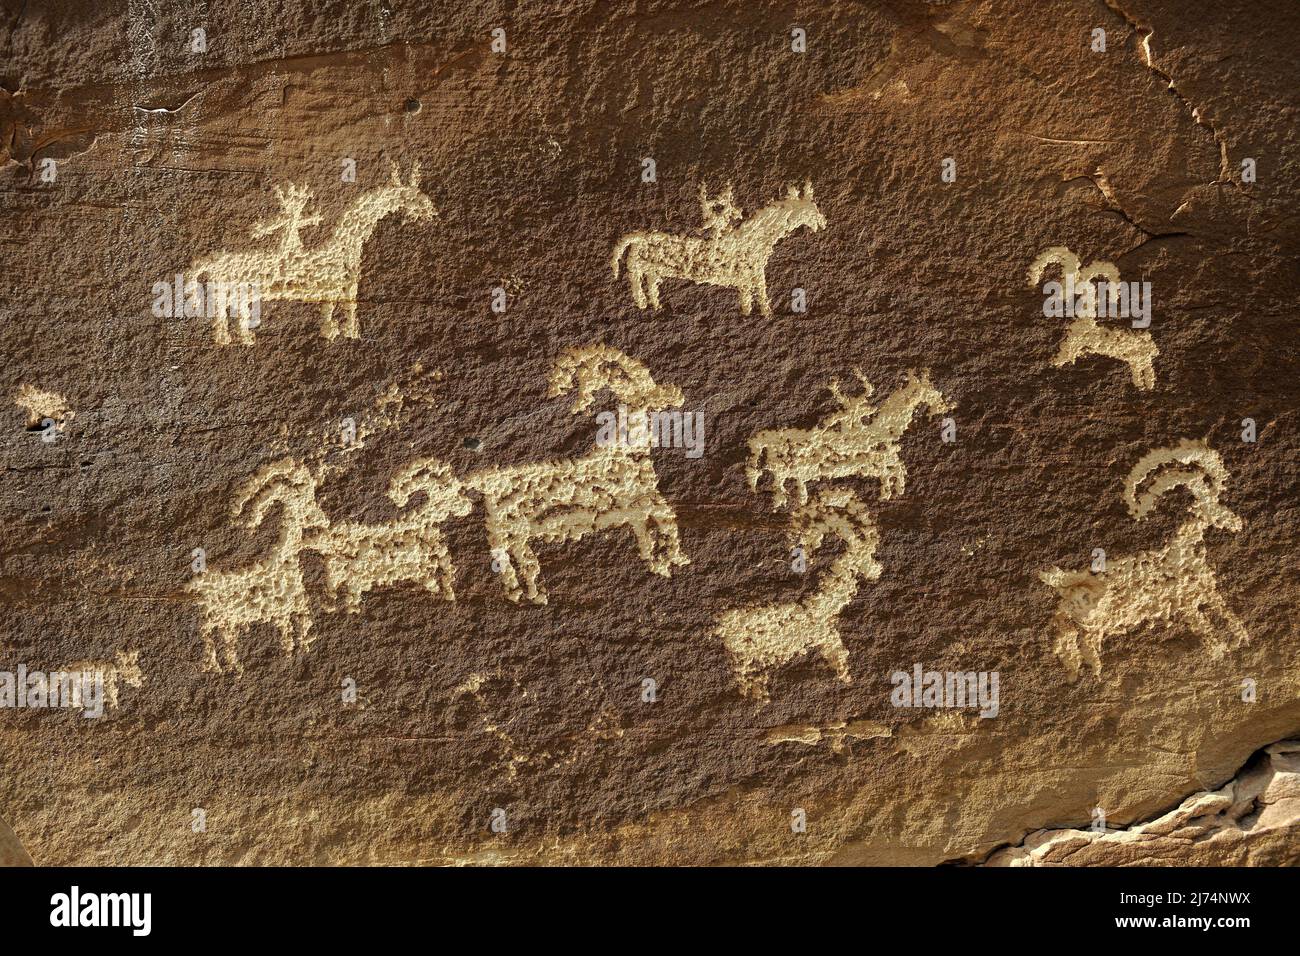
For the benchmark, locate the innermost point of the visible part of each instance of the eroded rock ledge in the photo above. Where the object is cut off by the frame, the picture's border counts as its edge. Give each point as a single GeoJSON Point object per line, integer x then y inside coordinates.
{"type": "Point", "coordinates": [1253, 819]}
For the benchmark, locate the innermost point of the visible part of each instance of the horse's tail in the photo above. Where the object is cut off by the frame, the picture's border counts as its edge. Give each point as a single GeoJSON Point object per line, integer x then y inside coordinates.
{"type": "Point", "coordinates": [621, 248]}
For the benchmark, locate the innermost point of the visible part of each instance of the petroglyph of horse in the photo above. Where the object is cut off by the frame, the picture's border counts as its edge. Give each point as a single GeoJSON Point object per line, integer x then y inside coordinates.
{"type": "Point", "coordinates": [359, 557]}
{"type": "Point", "coordinates": [326, 274]}
{"type": "Point", "coordinates": [269, 591]}
{"type": "Point", "coordinates": [613, 486]}
{"type": "Point", "coordinates": [1084, 335]}
{"type": "Point", "coordinates": [1173, 583]}
{"type": "Point", "coordinates": [760, 639]}
{"type": "Point", "coordinates": [734, 253]}
{"type": "Point", "coordinates": [858, 441]}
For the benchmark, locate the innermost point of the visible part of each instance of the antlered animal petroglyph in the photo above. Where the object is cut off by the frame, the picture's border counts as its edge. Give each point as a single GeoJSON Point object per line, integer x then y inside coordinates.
{"type": "Point", "coordinates": [1173, 583]}
{"type": "Point", "coordinates": [359, 557]}
{"type": "Point", "coordinates": [614, 485]}
{"type": "Point", "coordinates": [760, 639]}
{"type": "Point", "coordinates": [270, 591]}
{"type": "Point", "coordinates": [858, 441]}
{"type": "Point", "coordinates": [327, 274]}
{"type": "Point", "coordinates": [734, 254]}
{"type": "Point", "coordinates": [1084, 335]}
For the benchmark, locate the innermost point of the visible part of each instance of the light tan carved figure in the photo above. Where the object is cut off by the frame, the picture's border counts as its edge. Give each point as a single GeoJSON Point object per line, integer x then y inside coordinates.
{"type": "Point", "coordinates": [42, 406]}
{"type": "Point", "coordinates": [1173, 583]}
{"type": "Point", "coordinates": [858, 441]}
{"type": "Point", "coordinates": [760, 639]}
{"type": "Point", "coordinates": [359, 557]}
{"type": "Point", "coordinates": [326, 274]}
{"type": "Point", "coordinates": [613, 486]}
{"type": "Point", "coordinates": [270, 591]}
{"type": "Point", "coordinates": [125, 669]}
{"type": "Point", "coordinates": [1084, 335]}
{"type": "Point", "coordinates": [734, 254]}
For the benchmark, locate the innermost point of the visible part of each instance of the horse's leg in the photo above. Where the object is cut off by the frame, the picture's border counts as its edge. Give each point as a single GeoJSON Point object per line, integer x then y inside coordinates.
{"type": "Point", "coordinates": [1233, 623]}
{"type": "Point", "coordinates": [446, 572]}
{"type": "Point", "coordinates": [210, 663]}
{"type": "Point", "coordinates": [531, 569]}
{"type": "Point", "coordinates": [230, 641]}
{"type": "Point", "coordinates": [760, 286]}
{"type": "Point", "coordinates": [654, 279]}
{"type": "Point", "coordinates": [350, 311]}
{"type": "Point", "coordinates": [221, 328]}
{"type": "Point", "coordinates": [746, 298]}
{"type": "Point", "coordinates": [245, 332]}
{"type": "Point", "coordinates": [779, 496]}
{"type": "Point", "coordinates": [304, 630]}
{"type": "Point", "coordinates": [329, 329]}
{"type": "Point", "coordinates": [636, 280]}
{"type": "Point", "coordinates": [501, 546]}
{"type": "Point", "coordinates": [834, 654]}
{"type": "Point", "coordinates": [1203, 626]}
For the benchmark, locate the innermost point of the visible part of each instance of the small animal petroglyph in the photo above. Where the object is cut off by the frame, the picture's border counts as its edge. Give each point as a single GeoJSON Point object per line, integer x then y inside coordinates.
{"type": "Point", "coordinates": [1085, 335]}
{"type": "Point", "coordinates": [858, 441]}
{"type": "Point", "coordinates": [733, 253]}
{"type": "Point", "coordinates": [327, 274]}
{"type": "Point", "coordinates": [1173, 583]}
{"type": "Point", "coordinates": [124, 669]}
{"type": "Point", "coordinates": [359, 557]}
{"type": "Point", "coordinates": [43, 406]}
{"type": "Point", "coordinates": [270, 591]}
{"type": "Point", "coordinates": [613, 486]}
{"type": "Point", "coordinates": [760, 639]}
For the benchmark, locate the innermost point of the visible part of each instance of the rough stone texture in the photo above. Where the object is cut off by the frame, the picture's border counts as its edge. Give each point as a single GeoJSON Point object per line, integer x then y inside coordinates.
{"type": "Point", "coordinates": [533, 160]}
{"type": "Point", "coordinates": [1251, 820]}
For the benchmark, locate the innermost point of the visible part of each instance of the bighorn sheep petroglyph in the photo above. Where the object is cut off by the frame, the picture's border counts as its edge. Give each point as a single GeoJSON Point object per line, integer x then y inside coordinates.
{"type": "Point", "coordinates": [760, 639]}
{"type": "Point", "coordinates": [359, 557]}
{"type": "Point", "coordinates": [270, 591]}
{"type": "Point", "coordinates": [1085, 335]}
{"type": "Point", "coordinates": [613, 486]}
{"type": "Point", "coordinates": [1174, 583]}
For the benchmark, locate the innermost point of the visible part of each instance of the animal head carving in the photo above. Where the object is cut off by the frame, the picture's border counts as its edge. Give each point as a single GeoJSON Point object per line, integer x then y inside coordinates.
{"type": "Point", "coordinates": [1189, 464]}
{"type": "Point", "coordinates": [128, 667]}
{"type": "Point", "coordinates": [923, 392]}
{"type": "Point", "coordinates": [588, 369]}
{"type": "Point", "coordinates": [407, 197]}
{"type": "Point", "coordinates": [838, 512]}
{"type": "Point", "coordinates": [802, 210]}
{"type": "Point", "coordinates": [285, 482]}
{"type": "Point", "coordinates": [434, 479]}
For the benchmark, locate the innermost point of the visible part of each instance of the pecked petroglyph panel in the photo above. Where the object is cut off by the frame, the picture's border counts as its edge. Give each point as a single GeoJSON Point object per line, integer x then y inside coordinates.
{"type": "Point", "coordinates": [446, 594]}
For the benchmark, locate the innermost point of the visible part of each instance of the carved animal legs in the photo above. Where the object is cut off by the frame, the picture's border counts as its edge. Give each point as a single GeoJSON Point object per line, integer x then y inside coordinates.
{"type": "Point", "coordinates": [350, 328]}
{"type": "Point", "coordinates": [663, 549]}
{"type": "Point", "coordinates": [760, 288]}
{"type": "Point", "coordinates": [636, 282]}
{"type": "Point", "coordinates": [329, 328]}
{"type": "Point", "coordinates": [221, 329]}
{"type": "Point", "coordinates": [833, 653]}
{"type": "Point", "coordinates": [746, 297]}
{"type": "Point", "coordinates": [230, 647]}
{"type": "Point", "coordinates": [441, 579]}
{"type": "Point", "coordinates": [245, 329]}
{"type": "Point", "coordinates": [652, 282]}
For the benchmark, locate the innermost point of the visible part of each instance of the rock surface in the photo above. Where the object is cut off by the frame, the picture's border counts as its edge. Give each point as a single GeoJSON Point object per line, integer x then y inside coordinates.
{"type": "Point", "coordinates": [291, 680]}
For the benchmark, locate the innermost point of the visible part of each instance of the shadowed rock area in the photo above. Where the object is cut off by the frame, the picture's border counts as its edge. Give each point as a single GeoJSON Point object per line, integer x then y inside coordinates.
{"type": "Point", "coordinates": [563, 432]}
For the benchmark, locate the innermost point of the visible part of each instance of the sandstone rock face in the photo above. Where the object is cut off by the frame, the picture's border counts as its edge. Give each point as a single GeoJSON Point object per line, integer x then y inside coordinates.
{"type": "Point", "coordinates": [641, 433]}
